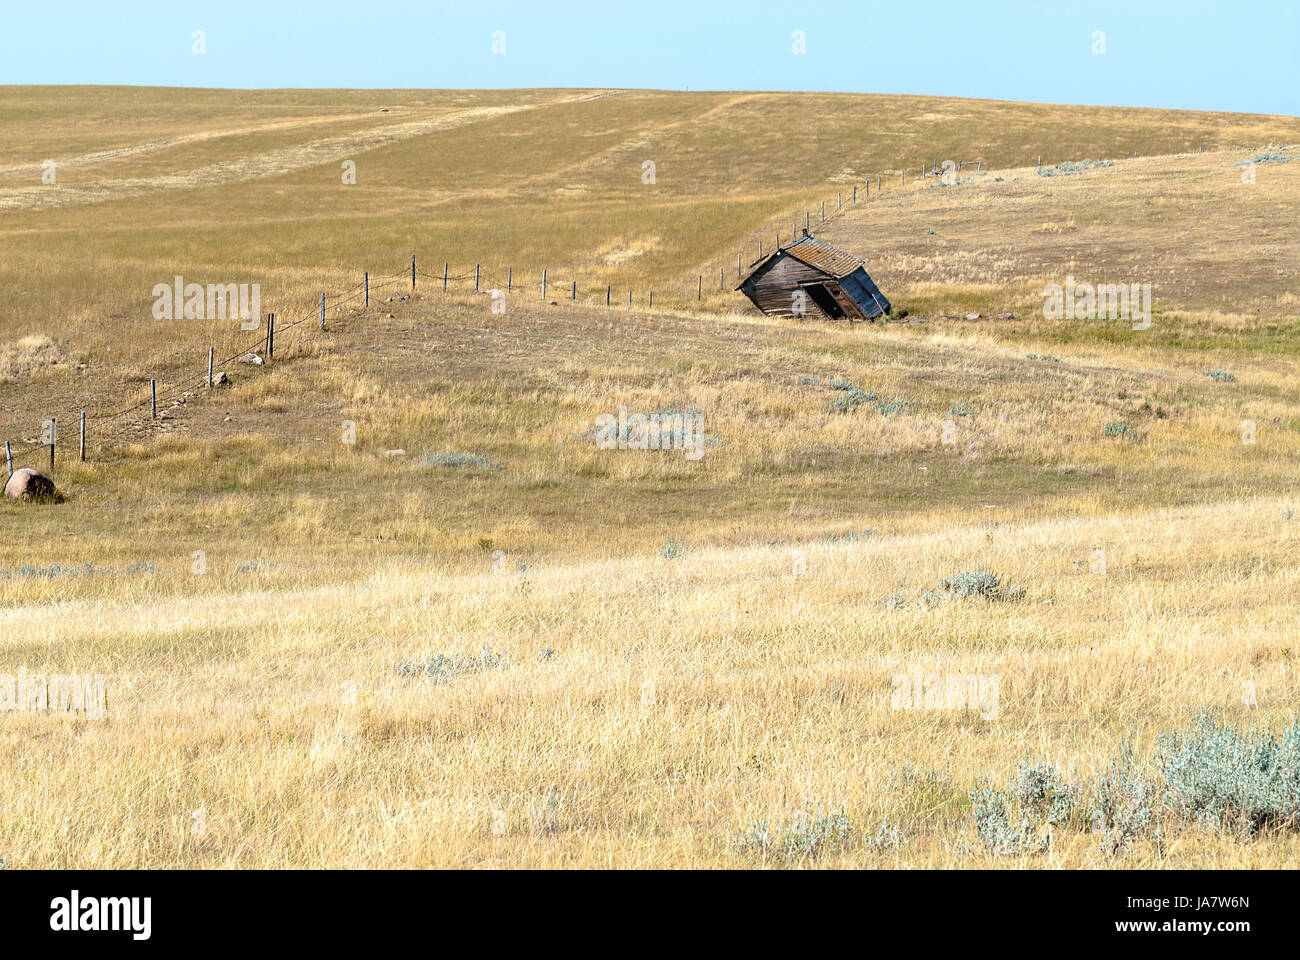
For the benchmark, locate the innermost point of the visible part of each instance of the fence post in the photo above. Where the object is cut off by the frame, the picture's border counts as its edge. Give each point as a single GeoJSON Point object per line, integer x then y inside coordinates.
{"type": "Point", "coordinates": [476, 278]}
{"type": "Point", "coordinates": [629, 299]}
{"type": "Point", "coordinates": [322, 311]}
{"type": "Point", "coordinates": [574, 297]}
{"type": "Point", "coordinates": [607, 291]}
{"type": "Point", "coordinates": [652, 299]}
{"type": "Point", "coordinates": [444, 278]}
{"type": "Point", "coordinates": [722, 279]}
{"type": "Point", "coordinates": [270, 335]}
{"type": "Point", "coordinates": [510, 278]}
{"type": "Point", "coordinates": [699, 290]}
{"type": "Point", "coordinates": [839, 201]}
{"type": "Point", "coordinates": [153, 399]}
{"type": "Point", "coordinates": [737, 266]}
{"type": "Point", "coordinates": [9, 459]}
{"type": "Point", "coordinates": [367, 282]}
{"type": "Point", "coordinates": [413, 273]}
{"type": "Point", "coordinates": [209, 368]}
{"type": "Point", "coordinates": [83, 436]}
{"type": "Point", "coordinates": [855, 193]}
{"type": "Point", "coordinates": [543, 283]}
{"type": "Point", "coordinates": [807, 219]}
{"type": "Point", "coordinates": [877, 183]}
{"type": "Point", "coordinates": [52, 438]}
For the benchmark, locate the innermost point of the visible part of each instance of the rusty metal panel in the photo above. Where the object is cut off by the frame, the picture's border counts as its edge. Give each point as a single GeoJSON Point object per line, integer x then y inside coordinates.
{"type": "Point", "coordinates": [823, 256]}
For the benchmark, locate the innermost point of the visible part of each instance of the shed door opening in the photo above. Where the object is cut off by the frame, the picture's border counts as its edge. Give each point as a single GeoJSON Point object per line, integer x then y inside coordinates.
{"type": "Point", "coordinates": [822, 296]}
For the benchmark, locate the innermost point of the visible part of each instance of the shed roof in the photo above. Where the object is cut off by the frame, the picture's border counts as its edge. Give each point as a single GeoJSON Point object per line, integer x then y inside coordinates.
{"type": "Point", "coordinates": [819, 254]}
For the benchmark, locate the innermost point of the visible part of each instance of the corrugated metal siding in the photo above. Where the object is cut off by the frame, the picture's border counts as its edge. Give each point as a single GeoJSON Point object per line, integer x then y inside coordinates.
{"type": "Point", "coordinates": [864, 291]}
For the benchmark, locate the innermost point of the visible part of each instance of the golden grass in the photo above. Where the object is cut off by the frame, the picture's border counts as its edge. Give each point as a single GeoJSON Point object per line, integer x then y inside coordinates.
{"type": "Point", "coordinates": [683, 697]}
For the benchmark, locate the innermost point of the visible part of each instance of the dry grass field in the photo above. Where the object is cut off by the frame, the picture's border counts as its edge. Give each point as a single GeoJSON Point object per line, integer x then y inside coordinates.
{"type": "Point", "coordinates": [507, 647]}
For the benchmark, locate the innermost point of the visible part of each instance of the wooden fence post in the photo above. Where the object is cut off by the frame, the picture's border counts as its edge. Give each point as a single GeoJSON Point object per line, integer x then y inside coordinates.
{"type": "Point", "coordinates": [608, 287]}
{"type": "Point", "coordinates": [699, 290]}
{"type": "Point", "coordinates": [209, 368]}
{"type": "Point", "coordinates": [444, 278]}
{"type": "Point", "coordinates": [629, 299]}
{"type": "Point", "coordinates": [270, 335]}
{"type": "Point", "coordinates": [367, 283]}
{"type": "Point", "coordinates": [510, 278]}
{"type": "Point", "coordinates": [476, 278]}
{"type": "Point", "coordinates": [652, 299]}
{"type": "Point", "coordinates": [574, 297]}
{"type": "Point", "coordinates": [53, 424]}
{"type": "Point", "coordinates": [83, 436]}
{"type": "Point", "coordinates": [9, 459]}
{"type": "Point", "coordinates": [543, 283]}
{"type": "Point", "coordinates": [877, 183]}
{"type": "Point", "coordinates": [855, 193]}
{"type": "Point", "coordinates": [413, 273]}
{"type": "Point", "coordinates": [322, 311]}
{"type": "Point", "coordinates": [153, 399]}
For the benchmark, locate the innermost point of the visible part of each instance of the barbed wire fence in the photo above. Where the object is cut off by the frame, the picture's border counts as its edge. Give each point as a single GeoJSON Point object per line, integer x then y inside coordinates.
{"type": "Point", "coordinates": [107, 431]}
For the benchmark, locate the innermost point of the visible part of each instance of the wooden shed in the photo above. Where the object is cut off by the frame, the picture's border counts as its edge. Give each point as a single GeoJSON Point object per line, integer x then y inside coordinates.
{"type": "Point", "coordinates": [810, 278]}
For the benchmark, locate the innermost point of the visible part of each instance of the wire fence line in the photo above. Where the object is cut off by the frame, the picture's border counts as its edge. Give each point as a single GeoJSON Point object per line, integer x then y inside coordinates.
{"type": "Point", "coordinates": [108, 430]}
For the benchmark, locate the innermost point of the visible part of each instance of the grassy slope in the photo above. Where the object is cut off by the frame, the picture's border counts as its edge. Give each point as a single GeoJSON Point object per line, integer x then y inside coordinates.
{"type": "Point", "coordinates": [327, 564]}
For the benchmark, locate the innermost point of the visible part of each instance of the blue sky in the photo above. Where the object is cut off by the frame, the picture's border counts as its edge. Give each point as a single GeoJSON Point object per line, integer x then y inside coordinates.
{"type": "Point", "coordinates": [1196, 55]}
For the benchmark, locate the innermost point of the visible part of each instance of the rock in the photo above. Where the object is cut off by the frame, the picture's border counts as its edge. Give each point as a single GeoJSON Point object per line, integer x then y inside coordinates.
{"type": "Point", "coordinates": [972, 316]}
{"type": "Point", "coordinates": [1006, 316]}
{"type": "Point", "coordinates": [27, 484]}
{"type": "Point", "coordinates": [394, 453]}
{"type": "Point", "coordinates": [251, 358]}
{"type": "Point", "coordinates": [220, 379]}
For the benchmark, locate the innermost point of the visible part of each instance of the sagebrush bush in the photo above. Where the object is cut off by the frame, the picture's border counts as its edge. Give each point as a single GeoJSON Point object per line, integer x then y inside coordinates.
{"type": "Point", "coordinates": [460, 460]}
{"type": "Point", "coordinates": [444, 668]}
{"type": "Point", "coordinates": [1018, 818]}
{"type": "Point", "coordinates": [1233, 780]}
{"type": "Point", "coordinates": [803, 838]}
{"type": "Point", "coordinates": [980, 583]}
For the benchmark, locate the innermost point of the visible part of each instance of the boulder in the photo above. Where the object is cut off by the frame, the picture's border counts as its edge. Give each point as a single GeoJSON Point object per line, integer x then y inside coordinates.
{"type": "Point", "coordinates": [220, 379]}
{"type": "Point", "coordinates": [27, 484]}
